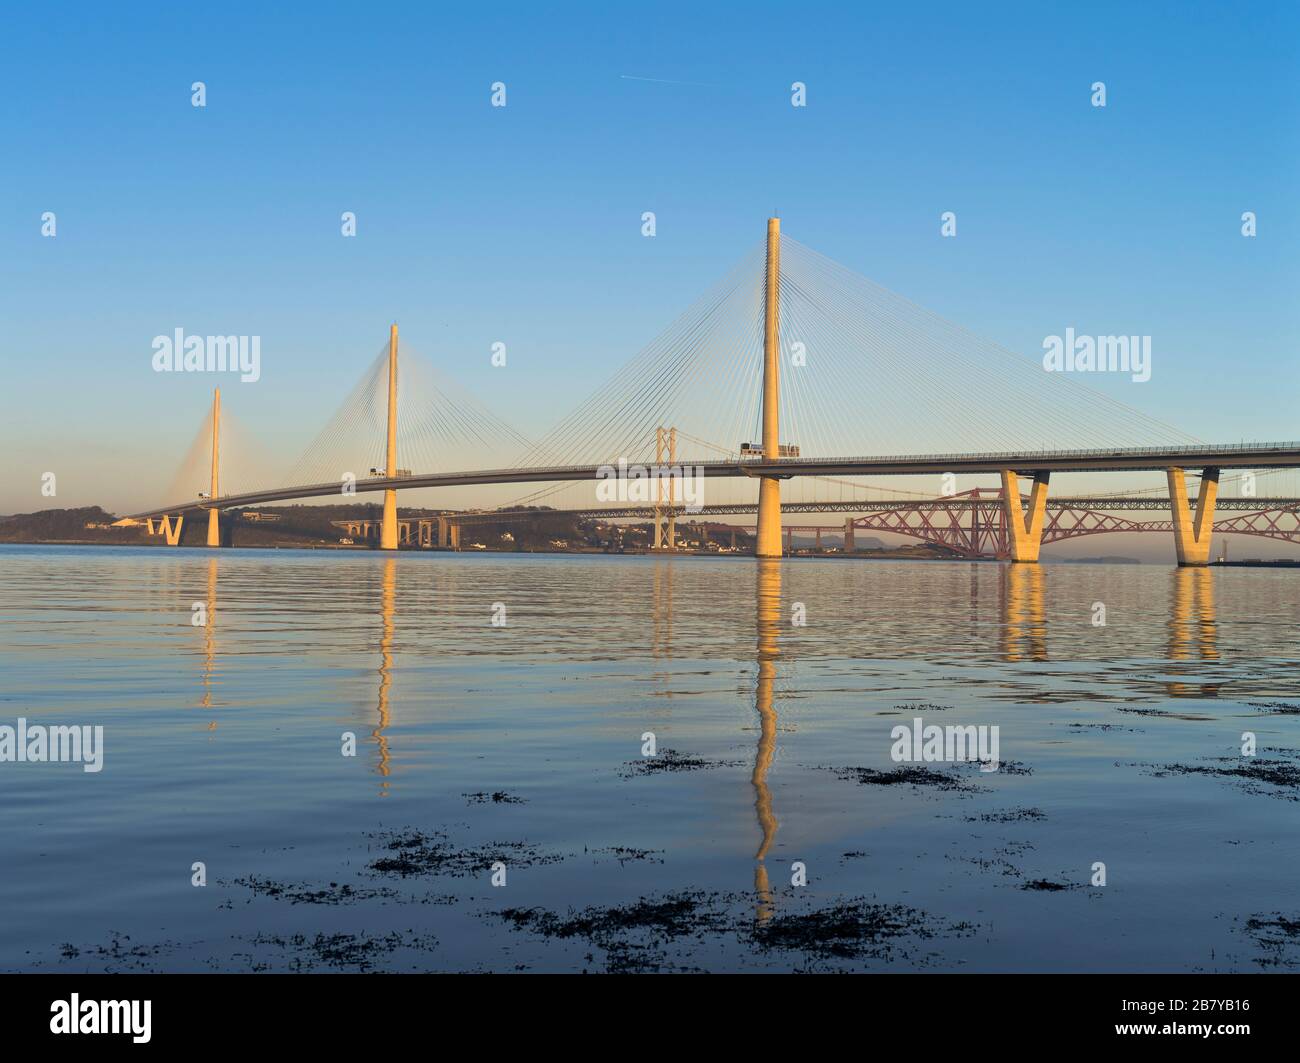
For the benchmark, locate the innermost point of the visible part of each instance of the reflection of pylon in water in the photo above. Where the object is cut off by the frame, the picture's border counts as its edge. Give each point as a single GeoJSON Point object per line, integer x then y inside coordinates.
{"type": "Point", "coordinates": [768, 621]}
{"type": "Point", "coordinates": [385, 671]}
{"type": "Point", "coordinates": [209, 638]}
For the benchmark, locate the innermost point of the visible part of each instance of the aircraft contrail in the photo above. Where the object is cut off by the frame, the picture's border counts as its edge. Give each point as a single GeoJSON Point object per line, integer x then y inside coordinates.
{"type": "Point", "coordinates": [666, 81]}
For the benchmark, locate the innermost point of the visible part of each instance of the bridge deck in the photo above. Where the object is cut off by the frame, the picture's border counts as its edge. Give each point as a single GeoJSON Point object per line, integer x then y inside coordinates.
{"type": "Point", "coordinates": [1139, 459]}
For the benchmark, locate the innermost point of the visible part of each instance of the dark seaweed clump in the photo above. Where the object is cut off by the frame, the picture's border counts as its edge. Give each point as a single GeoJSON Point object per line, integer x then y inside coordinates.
{"type": "Point", "coordinates": [852, 929]}
{"type": "Point", "coordinates": [412, 852]}
{"type": "Point", "coordinates": [907, 775]}
{"type": "Point", "coordinates": [1272, 777]}
{"type": "Point", "coordinates": [498, 797]}
{"type": "Point", "coordinates": [1279, 708]}
{"type": "Point", "coordinates": [299, 893]}
{"type": "Point", "coordinates": [353, 952]}
{"type": "Point", "coordinates": [635, 936]}
{"type": "Point", "coordinates": [1278, 937]}
{"type": "Point", "coordinates": [623, 854]}
{"type": "Point", "coordinates": [1010, 815]}
{"type": "Point", "coordinates": [671, 760]}
{"type": "Point", "coordinates": [632, 936]}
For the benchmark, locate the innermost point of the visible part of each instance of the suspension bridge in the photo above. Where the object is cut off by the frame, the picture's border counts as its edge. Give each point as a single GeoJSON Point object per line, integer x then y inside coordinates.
{"type": "Point", "coordinates": [803, 369]}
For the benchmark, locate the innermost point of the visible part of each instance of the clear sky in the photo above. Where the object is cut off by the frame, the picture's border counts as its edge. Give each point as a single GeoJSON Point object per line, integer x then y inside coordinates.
{"type": "Point", "coordinates": [523, 224]}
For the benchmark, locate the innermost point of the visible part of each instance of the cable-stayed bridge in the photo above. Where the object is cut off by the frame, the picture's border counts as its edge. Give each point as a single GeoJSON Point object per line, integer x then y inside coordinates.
{"type": "Point", "coordinates": [802, 370]}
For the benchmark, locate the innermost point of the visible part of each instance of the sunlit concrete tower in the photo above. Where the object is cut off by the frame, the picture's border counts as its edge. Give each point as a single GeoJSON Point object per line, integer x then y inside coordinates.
{"type": "Point", "coordinates": [214, 521]}
{"type": "Point", "coordinates": [388, 530]}
{"type": "Point", "coordinates": [768, 540]}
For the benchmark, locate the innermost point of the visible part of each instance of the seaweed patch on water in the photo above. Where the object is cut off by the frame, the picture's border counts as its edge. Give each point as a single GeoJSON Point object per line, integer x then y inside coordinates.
{"type": "Point", "coordinates": [1278, 939]}
{"type": "Point", "coordinates": [674, 915]}
{"type": "Point", "coordinates": [1275, 708]}
{"type": "Point", "coordinates": [921, 706]}
{"type": "Point", "coordinates": [350, 952]}
{"type": "Point", "coordinates": [1266, 776]}
{"type": "Point", "coordinates": [412, 852]}
{"type": "Point", "coordinates": [498, 797]}
{"type": "Point", "coordinates": [989, 863]}
{"type": "Point", "coordinates": [638, 936]}
{"type": "Point", "coordinates": [907, 775]}
{"type": "Point", "coordinates": [671, 760]}
{"type": "Point", "coordinates": [1044, 885]}
{"type": "Point", "coordinates": [1008, 815]}
{"type": "Point", "coordinates": [633, 935]}
{"type": "Point", "coordinates": [120, 954]}
{"type": "Point", "coordinates": [623, 854]}
{"type": "Point", "coordinates": [854, 928]}
{"type": "Point", "coordinates": [1194, 716]}
{"type": "Point", "coordinates": [301, 893]}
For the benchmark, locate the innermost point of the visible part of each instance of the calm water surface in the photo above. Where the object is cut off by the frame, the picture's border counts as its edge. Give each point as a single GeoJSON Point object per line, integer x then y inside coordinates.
{"type": "Point", "coordinates": [521, 744]}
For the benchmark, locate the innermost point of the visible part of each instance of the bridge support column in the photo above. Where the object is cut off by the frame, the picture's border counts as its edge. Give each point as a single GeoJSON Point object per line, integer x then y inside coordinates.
{"type": "Point", "coordinates": [148, 526]}
{"type": "Point", "coordinates": [443, 526]}
{"type": "Point", "coordinates": [767, 540]}
{"type": "Point", "coordinates": [1192, 533]}
{"type": "Point", "coordinates": [388, 533]}
{"type": "Point", "coordinates": [214, 525]}
{"type": "Point", "coordinates": [1024, 529]}
{"type": "Point", "coordinates": [454, 528]}
{"type": "Point", "coordinates": [789, 540]}
{"type": "Point", "coordinates": [848, 535]}
{"type": "Point", "coordinates": [172, 532]}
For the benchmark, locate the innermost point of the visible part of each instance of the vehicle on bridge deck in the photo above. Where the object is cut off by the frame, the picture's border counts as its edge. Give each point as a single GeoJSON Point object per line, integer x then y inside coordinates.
{"type": "Point", "coordinates": [755, 450]}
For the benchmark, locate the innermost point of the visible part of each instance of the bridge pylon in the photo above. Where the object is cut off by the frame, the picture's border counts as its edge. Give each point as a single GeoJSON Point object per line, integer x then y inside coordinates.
{"type": "Point", "coordinates": [1024, 529]}
{"type": "Point", "coordinates": [388, 529]}
{"type": "Point", "coordinates": [665, 530]}
{"type": "Point", "coordinates": [1192, 533]}
{"type": "Point", "coordinates": [214, 521]}
{"type": "Point", "coordinates": [767, 541]}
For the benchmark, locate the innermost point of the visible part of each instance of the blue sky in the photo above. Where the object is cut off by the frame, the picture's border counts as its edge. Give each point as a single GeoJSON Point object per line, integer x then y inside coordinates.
{"type": "Point", "coordinates": [522, 224]}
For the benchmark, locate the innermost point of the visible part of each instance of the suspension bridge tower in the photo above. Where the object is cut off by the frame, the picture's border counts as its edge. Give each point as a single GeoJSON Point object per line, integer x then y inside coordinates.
{"type": "Point", "coordinates": [388, 529]}
{"type": "Point", "coordinates": [214, 521]}
{"type": "Point", "coordinates": [768, 540]}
